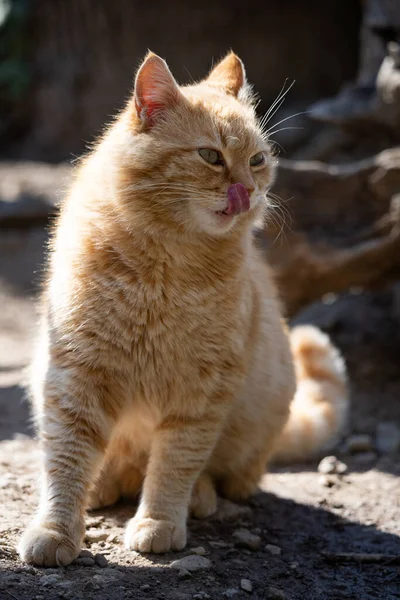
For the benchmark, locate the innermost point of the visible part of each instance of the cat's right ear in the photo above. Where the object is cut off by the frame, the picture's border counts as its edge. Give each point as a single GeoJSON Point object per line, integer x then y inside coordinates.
{"type": "Point", "coordinates": [155, 90]}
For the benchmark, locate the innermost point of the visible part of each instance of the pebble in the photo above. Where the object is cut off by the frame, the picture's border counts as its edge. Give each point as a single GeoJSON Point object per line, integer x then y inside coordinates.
{"type": "Point", "coordinates": [331, 465]}
{"type": "Point", "coordinates": [327, 480]}
{"type": "Point", "coordinates": [246, 585]}
{"type": "Point", "coordinates": [245, 539]}
{"type": "Point", "coordinates": [275, 594]}
{"type": "Point", "coordinates": [184, 574]}
{"type": "Point", "coordinates": [95, 521]}
{"type": "Point", "coordinates": [201, 596]}
{"type": "Point", "coordinates": [229, 511]}
{"type": "Point", "coordinates": [96, 535]}
{"type": "Point", "coordinates": [50, 579]}
{"type": "Point", "coordinates": [191, 563]}
{"type": "Point", "coordinates": [200, 551]}
{"type": "Point", "coordinates": [145, 587]}
{"type": "Point", "coordinates": [85, 561]}
{"type": "Point", "coordinates": [85, 553]}
{"type": "Point", "coordinates": [272, 549]}
{"type": "Point", "coordinates": [230, 593]}
{"type": "Point", "coordinates": [101, 561]}
{"type": "Point", "coordinates": [359, 442]}
{"type": "Point", "coordinates": [387, 437]}
{"type": "Point", "coordinates": [113, 537]}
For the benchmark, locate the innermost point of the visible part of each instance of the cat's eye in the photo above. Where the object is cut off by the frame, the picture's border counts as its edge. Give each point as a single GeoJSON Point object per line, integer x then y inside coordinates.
{"type": "Point", "coordinates": [257, 160]}
{"type": "Point", "coordinates": [212, 157]}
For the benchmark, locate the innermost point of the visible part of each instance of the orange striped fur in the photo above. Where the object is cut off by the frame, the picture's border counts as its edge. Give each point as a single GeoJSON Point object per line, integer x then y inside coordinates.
{"type": "Point", "coordinates": [163, 365]}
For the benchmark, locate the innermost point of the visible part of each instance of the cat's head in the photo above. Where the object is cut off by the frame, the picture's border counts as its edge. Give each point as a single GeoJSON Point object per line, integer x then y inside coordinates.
{"type": "Point", "coordinates": [198, 157]}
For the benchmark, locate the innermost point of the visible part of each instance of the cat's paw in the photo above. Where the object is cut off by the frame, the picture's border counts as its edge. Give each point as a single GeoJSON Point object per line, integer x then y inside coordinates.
{"type": "Point", "coordinates": [204, 499]}
{"type": "Point", "coordinates": [153, 535]}
{"type": "Point", "coordinates": [46, 547]}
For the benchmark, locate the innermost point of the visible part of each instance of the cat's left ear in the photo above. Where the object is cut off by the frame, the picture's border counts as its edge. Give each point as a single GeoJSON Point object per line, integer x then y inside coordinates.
{"type": "Point", "coordinates": [229, 75]}
{"type": "Point", "coordinates": [155, 90]}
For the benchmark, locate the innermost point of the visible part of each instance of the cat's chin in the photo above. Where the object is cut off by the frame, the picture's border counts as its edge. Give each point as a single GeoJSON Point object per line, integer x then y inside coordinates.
{"type": "Point", "coordinates": [215, 223]}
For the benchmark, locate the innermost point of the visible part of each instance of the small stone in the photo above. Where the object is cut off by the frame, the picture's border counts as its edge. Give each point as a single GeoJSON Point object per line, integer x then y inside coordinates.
{"type": "Point", "coordinates": [229, 511]}
{"type": "Point", "coordinates": [294, 565]}
{"type": "Point", "coordinates": [387, 437]}
{"type": "Point", "coordinates": [245, 539]}
{"type": "Point", "coordinates": [230, 593]}
{"type": "Point", "coordinates": [101, 561]}
{"type": "Point", "coordinates": [246, 585]}
{"type": "Point", "coordinates": [219, 544]}
{"type": "Point", "coordinates": [184, 574]}
{"type": "Point", "coordinates": [96, 535]}
{"type": "Point", "coordinates": [50, 579]}
{"type": "Point", "coordinates": [95, 521]}
{"type": "Point", "coordinates": [145, 587]}
{"type": "Point", "coordinates": [113, 538]}
{"type": "Point", "coordinates": [85, 554]}
{"type": "Point", "coordinates": [191, 563]}
{"type": "Point", "coordinates": [201, 596]}
{"type": "Point", "coordinates": [365, 458]}
{"type": "Point", "coordinates": [85, 561]}
{"type": "Point", "coordinates": [275, 594]}
{"type": "Point", "coordinates": [326, 481]}
{"type": "Point", "coordinates": [38, 597]}
{"type": "Point", "coordinates": [272, 549]}
{"type": "Point", "coordinates": [200, 551]}
{"type": "Point", "coordinates": [359, 442]}
{"type": "Point", "coordinates": [331, 465]}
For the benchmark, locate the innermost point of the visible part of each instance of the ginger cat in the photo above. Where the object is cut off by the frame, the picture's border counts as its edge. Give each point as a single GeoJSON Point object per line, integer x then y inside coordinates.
{"type": "Point", "coordinates": [163, 365]}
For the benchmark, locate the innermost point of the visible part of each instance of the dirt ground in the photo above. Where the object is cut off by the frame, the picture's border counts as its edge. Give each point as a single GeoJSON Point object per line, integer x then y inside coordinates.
{"type": "Point", "coordinates": [299, 521]}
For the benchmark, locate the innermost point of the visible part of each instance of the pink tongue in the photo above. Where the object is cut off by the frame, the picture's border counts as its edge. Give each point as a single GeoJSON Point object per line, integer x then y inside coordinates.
{"type": "Point", "coordinates": [238, 199]}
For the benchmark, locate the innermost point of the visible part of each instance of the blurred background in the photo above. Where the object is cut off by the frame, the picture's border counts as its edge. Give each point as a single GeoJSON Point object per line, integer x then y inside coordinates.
{"type": "Point", "coordinates": [333, 237]}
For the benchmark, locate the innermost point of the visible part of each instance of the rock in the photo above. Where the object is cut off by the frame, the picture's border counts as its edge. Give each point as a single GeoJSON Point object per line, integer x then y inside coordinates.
{"type": "Point", "coordinates": [85, 561]}
{"type": "Point", "coordinates": [101, 561]}
{"type": "Point", "coordinates": [331, 465]}
{"type": "Point", "coordinates": [113, 538]}
{"type": "Point", "coordinates": [387, 437]}
{"type": "Point", "coordinates": [200, 551]}
{"type": "Point", "coordinates": [272, 549]}
{"type": "Point", "coordinates": [359, 442]}
{"type": "Point", "coordinates": [275, 594]}
{"type": "Point", "coordinates": [95, 521]}
{"type": "Point", "coordinates": [219, 544]}
{"type": "Point", "coordinates": [184, 574]}
{"type": "Point", "coordinates": [246, 585]}
{"type": "Point", "coordinates": [245, 539]}
{"type": "Point", "coordinates": [229, 511]}
{"type": "Point", "coordinates": [85, 553]}
{"type": "Point", "coordinates": [230, 593]}
{"type": "Point", "coordinates": [96, 535]}
{"type": "Point", "coordinates": [201, 596]}
{"type": "Point", "coordinates": [191, 563]}
{"type": "Point", "coordinates": [327, 480]}
{"type": "Point", "coordinates": [50, 579]}
{"type": "Point", "coordinates": [145, 587]}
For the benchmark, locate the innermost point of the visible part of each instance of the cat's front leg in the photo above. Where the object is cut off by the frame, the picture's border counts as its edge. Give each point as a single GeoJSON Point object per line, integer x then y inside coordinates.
{"type": "Point", "coordinates": [179, 452]}
{"type": "Point", "coordinates": [74, 432]}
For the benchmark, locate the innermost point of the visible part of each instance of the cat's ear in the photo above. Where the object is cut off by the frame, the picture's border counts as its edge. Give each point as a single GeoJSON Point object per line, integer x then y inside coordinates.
{"type": "Point", "coordinates": [229, 75]}
{"type": "Point", "coordinates": [155, 89]}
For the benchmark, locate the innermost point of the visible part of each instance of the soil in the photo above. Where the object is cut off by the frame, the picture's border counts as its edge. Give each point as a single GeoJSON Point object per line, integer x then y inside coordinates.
{"type": "Point", "coordinates": [297, 517]}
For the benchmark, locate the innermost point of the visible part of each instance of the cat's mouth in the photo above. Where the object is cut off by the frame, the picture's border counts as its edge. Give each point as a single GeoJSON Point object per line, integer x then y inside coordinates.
{"type": "Point", "coordinates": [238, 201]}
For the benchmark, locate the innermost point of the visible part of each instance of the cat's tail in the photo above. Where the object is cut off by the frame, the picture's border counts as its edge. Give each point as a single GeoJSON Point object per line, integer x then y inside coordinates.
{"type": "Point", "coordinates": [319, 410]}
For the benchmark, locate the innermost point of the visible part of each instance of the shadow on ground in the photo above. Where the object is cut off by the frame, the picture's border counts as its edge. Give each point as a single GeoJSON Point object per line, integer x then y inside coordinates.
{"type": "Point", "coordinates": [304, 534]}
